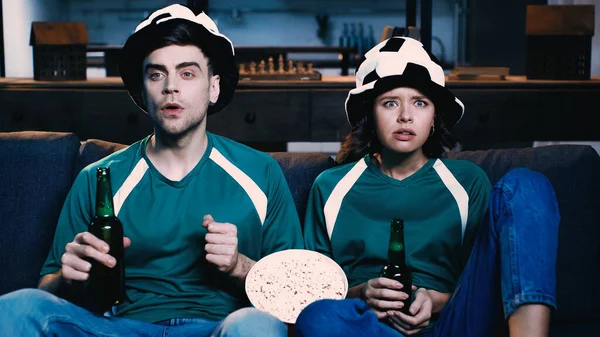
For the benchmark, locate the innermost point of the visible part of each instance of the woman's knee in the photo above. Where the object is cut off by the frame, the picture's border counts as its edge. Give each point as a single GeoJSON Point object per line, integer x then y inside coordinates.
{"type": "Point", "coordinates": [526, 199]}
{"type": "Point", "coordinates": [324, 317]}
{"type": "Point", "coordinates": [522, 186]}
{"type": "Point", "coordinates": [524, 180]}
{"type": "Point", "coordinates": [313, 313]}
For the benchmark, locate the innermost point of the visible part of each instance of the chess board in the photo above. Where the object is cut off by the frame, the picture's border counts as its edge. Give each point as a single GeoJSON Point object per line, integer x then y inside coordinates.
{"type": "Point", "coordinates": [284, 71]}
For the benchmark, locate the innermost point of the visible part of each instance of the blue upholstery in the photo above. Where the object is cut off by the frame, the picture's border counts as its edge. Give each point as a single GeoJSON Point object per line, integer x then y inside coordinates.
{"type": "Point", "coordinates": [36, 177]}
{"type": "Point", "coordinates": [300, 170]}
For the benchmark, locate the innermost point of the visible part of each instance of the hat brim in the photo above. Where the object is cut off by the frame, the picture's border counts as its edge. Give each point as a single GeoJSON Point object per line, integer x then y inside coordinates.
{"type": "Point", "coordinates": [360, 100]}
{"type": "Point", "coordinates": [140, 44]}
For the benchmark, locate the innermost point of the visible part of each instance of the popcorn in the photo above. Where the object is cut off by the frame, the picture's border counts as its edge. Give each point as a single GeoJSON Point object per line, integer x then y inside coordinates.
{"type": "Point", "coordinates": [286, 282]}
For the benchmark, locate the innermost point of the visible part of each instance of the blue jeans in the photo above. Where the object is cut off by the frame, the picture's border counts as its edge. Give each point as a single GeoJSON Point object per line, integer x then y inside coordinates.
{"type": "Point", "coordinates": [33, 312]}
{"type": "Point", "coordinates": [512, 263]}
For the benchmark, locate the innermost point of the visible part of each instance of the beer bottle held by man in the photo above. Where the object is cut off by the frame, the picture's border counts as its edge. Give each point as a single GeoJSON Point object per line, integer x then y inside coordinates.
{"type": "Point", "coordinates": [396, 267]}
{"type": "Point", "coordinates": [106, 285]}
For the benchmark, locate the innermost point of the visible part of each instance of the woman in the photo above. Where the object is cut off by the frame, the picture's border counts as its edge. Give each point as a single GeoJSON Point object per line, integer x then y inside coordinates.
{"type": "Point", "coordinates": [392, 167]}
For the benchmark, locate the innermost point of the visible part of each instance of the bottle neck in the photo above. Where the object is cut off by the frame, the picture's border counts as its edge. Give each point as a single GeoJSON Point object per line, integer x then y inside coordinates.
{"type": "Point", "coordinates": [104, 201]}
{"type": "Point", "coordinates": [396, 251]}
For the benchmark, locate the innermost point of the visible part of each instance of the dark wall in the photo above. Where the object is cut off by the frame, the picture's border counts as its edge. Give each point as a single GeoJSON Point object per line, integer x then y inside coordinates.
{"type": "Point", "coordinates": [2, 72]}
{"type": "Point", "coordinates": [496, 33]}
{"type": "Point", "coordinates": [202, 4]}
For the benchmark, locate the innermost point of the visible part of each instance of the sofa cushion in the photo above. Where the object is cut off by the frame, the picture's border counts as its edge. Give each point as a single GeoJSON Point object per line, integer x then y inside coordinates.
{"type": "Point", "coordinates": [574, 171]}
{"type": "Point", "coordinates": [93, 150]}
{"type": "Point", "coordinates": [300, 170]}
{"type": "Point", "coordinates": [36, 177]}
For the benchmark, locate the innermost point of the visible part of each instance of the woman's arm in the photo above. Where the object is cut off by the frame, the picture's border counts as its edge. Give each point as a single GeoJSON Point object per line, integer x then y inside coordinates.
{"type": "Point", "coordinates": [438, 300]}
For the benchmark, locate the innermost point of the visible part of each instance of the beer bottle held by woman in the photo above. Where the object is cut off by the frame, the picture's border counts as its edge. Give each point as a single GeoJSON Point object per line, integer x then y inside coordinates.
{"type": "Point", "coordinates": [396, 267]}
{"type": "Point", "coordinates": [106, 285]}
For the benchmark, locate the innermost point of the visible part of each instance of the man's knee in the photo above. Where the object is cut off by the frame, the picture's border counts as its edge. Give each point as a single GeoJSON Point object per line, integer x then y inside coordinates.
{"type": "Point", "coordinates": [28, 306]}
{"type": "Point", "coordinates": [253, 322]}
{"type": "Point", "coordinates": [28, 300]}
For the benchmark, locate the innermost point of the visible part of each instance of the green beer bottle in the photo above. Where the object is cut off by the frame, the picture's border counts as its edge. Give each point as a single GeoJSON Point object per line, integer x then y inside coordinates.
{"type": "Point", "coordinates": [396, 267]}
{"type": "Point", "coordinates": [106, 285]}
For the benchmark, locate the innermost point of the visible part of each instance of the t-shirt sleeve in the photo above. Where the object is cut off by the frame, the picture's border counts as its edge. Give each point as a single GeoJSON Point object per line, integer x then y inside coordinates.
{"type": "Point", "coordinates": [281, 229]}
{"type": "Point", "coordinates": [479, 201]}
{"type": "Point", "coordinates": [74, 218]}
{"type": "Point", "coordinates": [315, 228]}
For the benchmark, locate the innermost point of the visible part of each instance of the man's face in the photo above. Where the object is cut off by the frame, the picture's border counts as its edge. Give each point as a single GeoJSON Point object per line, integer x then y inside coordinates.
{"type": "Point", "coordinates": [178, 88]}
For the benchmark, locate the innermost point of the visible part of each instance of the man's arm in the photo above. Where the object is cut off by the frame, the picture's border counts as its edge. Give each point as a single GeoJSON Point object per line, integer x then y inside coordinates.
{"type": "Point", "coordinates": [52, 283]}
{"type": "Point", "coordinates": [59, 286]}
{"type": "Point", "coordinates": [73, 219]}
{"type": "Point", "coordinates": [242, 267]}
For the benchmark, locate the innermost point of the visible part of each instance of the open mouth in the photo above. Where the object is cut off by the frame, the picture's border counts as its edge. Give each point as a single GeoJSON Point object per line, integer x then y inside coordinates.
{"type": "Point", "coordinates": [404, 135]}
{"type": "Point", "coordinates": [407, 132]}
{"type": "Point", "coordinates": [172, 108]}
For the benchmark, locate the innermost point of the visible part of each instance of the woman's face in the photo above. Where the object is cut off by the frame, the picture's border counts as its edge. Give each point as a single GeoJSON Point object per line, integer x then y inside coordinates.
{"type": "Point", "coordinates": [403, 119]}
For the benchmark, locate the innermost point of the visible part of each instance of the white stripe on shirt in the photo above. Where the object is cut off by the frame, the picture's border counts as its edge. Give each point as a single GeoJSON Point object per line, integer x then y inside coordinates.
{"type": "Point", "coordinates": [132, 180]}
{"type": "Point", "coordinates": [334, 202]}
{"type": "Point", "coordinates": [458, 192]}
{"type": "Point", "coordinates": [259, 199]}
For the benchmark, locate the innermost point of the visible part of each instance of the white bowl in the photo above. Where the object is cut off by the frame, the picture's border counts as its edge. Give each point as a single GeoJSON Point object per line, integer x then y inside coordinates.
{"type": "Point", "coordinates": [285, 282]}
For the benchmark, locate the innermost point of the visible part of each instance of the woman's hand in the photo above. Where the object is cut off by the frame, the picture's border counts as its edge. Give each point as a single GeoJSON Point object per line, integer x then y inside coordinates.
{"type": "Point", "coordinates": [421, 309]}
{"type": "Point", "coordinates": [383, 295]}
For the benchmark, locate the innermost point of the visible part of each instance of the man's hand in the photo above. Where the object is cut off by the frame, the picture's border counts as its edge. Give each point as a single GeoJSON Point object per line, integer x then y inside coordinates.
{"type": "Point", "coordinates": [222, 249]}
{"type": "Point", "coordinates": [421, 309]}
{"type": "Point", "coordinates": [221, 244]}
{"type": "Point", "coordinates": [383, 295]}
{"type": "Point", "coordinates": [85, 246]}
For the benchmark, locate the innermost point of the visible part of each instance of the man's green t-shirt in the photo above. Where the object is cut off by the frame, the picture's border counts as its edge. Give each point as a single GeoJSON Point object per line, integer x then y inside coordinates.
{"type": "Point", "coordinates": [351, 206]}
{"type": "Point", "coordinates": [167, 275]}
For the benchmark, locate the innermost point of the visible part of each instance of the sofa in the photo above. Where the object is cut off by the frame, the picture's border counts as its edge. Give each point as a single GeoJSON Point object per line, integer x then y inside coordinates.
{"type": "Point", "coordinates": [38, 168]}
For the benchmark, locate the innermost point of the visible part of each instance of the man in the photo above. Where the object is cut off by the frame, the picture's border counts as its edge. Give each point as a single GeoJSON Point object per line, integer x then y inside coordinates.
{"type": "Point", "coordinates": [197, 209]}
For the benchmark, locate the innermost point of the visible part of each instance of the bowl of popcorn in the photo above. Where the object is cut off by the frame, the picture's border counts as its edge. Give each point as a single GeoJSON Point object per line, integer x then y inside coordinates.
{"type": "Point", "coordinates": [285, 282]}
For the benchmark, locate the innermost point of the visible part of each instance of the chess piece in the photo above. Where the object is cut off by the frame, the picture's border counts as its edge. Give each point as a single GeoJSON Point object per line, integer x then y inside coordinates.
{"type": "Point", "coordinates": [242, 68]}
{"type": "Point", "coordinates": [271, 65]}
{"type": "Point", "coordinates": [309, 68]}
{"type": "Point", "coordinates": [252, 67]}
{"type": "Point", "coordinates": [280, 68]}
{"type": "Point", "coordinates": [261, 67]}
{"type": "Point", "coordinates": [290, 67]}
{"type": "Point", "coordinates": [300, 67]}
